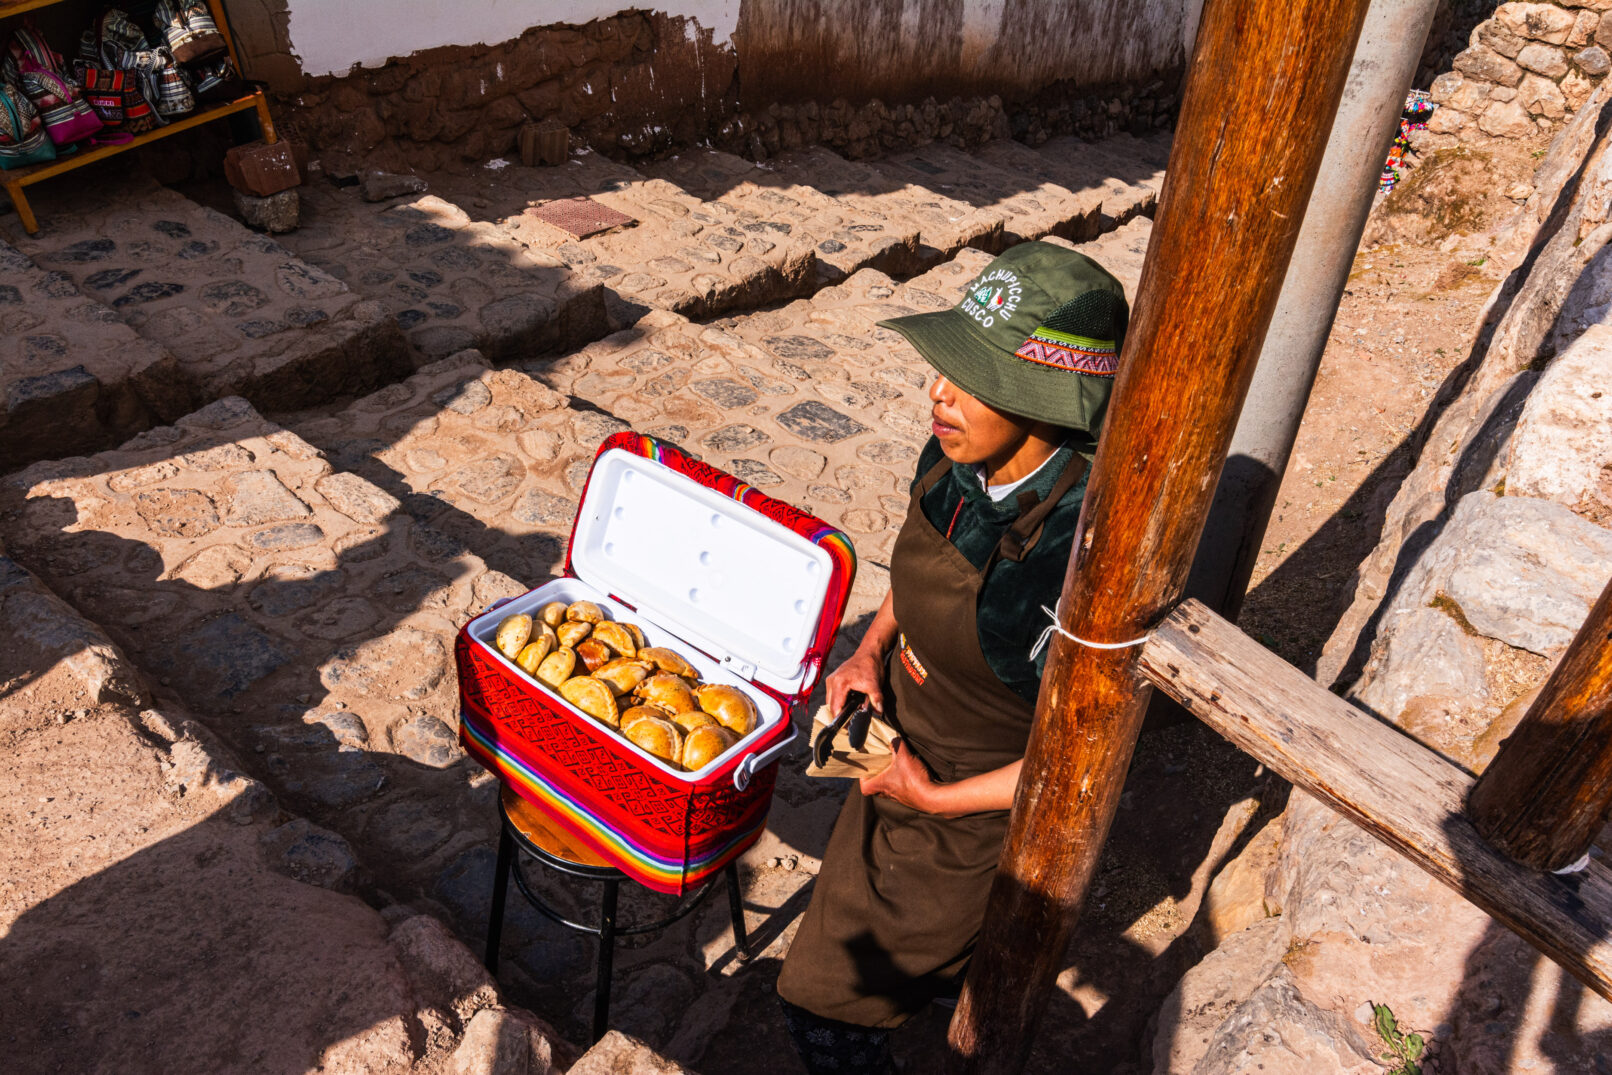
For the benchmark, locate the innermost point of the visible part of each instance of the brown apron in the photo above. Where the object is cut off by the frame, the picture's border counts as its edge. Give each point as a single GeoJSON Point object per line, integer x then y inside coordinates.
{"type": "Point", "coordinates": [898, 904]}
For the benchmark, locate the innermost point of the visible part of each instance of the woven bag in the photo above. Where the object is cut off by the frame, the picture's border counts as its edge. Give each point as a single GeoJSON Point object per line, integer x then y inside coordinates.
{"type": "Point", "coordinates": [22, 135]}
{"type": "Point", "coordinates": [188, 29]}
{"type": "Point", "coordinates": [122, 62]}
{"type": "Point", "coordinates": [66, 116]}
{"type": "Point", "coordinates": [173, 92]}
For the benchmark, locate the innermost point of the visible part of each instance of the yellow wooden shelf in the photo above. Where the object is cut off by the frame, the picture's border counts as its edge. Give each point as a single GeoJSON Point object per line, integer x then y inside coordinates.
{"type": "Point", "coordinates": [13, 181]}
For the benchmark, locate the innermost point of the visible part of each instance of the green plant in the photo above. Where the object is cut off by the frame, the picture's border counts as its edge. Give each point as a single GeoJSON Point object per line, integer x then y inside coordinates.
{"type": "Point", "coordinates": [1477, 261]}
{"type": "Point", "coordinates": [1407, 1049]}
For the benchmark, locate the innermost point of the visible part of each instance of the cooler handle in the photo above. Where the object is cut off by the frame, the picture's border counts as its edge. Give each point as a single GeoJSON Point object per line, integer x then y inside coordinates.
{"type": "Point", "coordinates": [752, 762]}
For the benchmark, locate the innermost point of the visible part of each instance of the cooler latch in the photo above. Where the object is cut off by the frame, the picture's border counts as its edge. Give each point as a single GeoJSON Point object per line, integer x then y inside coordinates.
{"type": "Point", "coordinates": [743, 669]}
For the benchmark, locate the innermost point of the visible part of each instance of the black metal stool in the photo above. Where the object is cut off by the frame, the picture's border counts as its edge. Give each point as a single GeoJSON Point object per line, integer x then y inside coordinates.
{"type": "Point", "coordinates": [525, 828]}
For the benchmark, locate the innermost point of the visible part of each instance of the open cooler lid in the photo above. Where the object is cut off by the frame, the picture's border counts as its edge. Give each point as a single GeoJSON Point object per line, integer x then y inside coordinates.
{"type": "Point", "coordinates": [713, 569]}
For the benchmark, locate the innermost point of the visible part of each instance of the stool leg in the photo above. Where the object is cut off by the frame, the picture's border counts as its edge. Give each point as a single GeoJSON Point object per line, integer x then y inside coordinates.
{"type": "Point", "coordinates": [495, 916]}
{"type": "Point", "coordinates": [607, 954]}
{"type": "Point", "coordinates": [741, 936]}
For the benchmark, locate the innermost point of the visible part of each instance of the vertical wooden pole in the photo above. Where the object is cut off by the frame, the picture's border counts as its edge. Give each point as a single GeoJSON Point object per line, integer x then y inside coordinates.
{"type": "Point", "coordinates": [1261, 92]}
{"type": "Point", "coordinates": [1547, 793]}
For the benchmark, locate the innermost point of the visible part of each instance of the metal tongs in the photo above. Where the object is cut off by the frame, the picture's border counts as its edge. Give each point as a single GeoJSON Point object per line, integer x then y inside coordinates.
{"type": "Point", "coordinates": [856, 716]}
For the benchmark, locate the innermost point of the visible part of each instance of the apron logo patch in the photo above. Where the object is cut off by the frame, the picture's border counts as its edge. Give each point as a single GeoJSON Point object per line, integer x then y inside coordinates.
{"type": "Point", "coordinates": [909, 660]}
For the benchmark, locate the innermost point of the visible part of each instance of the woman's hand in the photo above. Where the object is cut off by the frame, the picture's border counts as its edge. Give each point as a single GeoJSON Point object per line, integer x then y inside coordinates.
{"type": "Point", "coordinates": [906, 781]}
{"type": "Point", "coordinates": [862, 671]}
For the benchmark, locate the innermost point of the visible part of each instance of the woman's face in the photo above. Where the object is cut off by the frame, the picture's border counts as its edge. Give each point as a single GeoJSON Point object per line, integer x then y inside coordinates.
{"type": "Point", "coordinates": [972, 432]}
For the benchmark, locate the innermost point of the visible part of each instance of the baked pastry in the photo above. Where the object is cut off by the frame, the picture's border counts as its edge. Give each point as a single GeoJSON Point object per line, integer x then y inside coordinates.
{"type": "Point", "coordinates": [553, 613]}
{"type": "Point", "coordinates": [513, 634]}
{"type": "Point", "coordinates": [732, 708]}
{"type": "Point", "coordinates": [666, 660]}
{"type": "Point", "coordinates": [659, 736]}
{"type": "Point", "coordinates": [557, 666]}
{"type": "Point", "coordinates": [616, 636]}
{"type": "Point", "coordinates": [532, 656]}
{"type": "Point", "coordinates": [622, 673]}
{"type": "Point", "coordinates": [593, 697]}
{"type": "Point", "coordinates": [632, 716]}
{"type": "Point", "coordinates": [667, 692]}
{"type": "Point", "coordinates": [593, 653]}
{"type": "Point", "coordinates": [571, 632]}
{"type": "Point", "coordinates": [584, 612]}
{"type": "Point", "coordinates": [694, 718]}
{"type": "Point", "coordinates": [704, 745]}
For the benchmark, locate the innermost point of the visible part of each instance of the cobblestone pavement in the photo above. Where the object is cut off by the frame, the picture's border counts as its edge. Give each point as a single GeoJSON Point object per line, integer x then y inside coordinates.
{"type": "Point", "coordinates": [238, 311]}
{"type": "Point", "coordinates": [296, 580]}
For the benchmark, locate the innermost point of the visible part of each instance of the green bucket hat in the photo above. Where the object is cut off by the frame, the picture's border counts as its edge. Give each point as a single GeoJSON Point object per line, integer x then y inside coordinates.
{"type": "Point", "coordinates": [1037, 334]}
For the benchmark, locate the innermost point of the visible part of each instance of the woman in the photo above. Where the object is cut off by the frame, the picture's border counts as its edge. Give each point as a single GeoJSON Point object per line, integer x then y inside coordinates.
{"type": "Point", "coordinates": [1025, 363]}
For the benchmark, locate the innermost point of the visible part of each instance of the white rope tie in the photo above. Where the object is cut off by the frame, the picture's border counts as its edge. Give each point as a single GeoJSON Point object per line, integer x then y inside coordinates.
{"type": "Point", "coordinates": [1582, 864]}
{"type": "Point", "coordinates": [1055, 625]}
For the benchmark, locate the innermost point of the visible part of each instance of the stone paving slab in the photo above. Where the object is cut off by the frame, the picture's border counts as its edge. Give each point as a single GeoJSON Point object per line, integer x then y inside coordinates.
{"type": "Point", "coordinates": [695, 258]}
{"type": "Point", "coordinates": [846, 239]}
{"type": "Point", "coordinates": [1031, 207]}
{"type": "Point", "coordinates": [74, 377]}
{"type": "Point", "coordinates": [1129, 171]}
{"type": "Point", "coordinates": [296, 608]}
{"type": "Point", "coordinates": [240, 312]}
{"type": "Point", "coordinates": [946, 225]}
{"type": "Point", "coordinates": [450, 281]}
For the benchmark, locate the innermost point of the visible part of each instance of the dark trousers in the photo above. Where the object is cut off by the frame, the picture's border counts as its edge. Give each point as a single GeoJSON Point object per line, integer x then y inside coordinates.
{"type": "Point", "coordinates": [830, 1047]}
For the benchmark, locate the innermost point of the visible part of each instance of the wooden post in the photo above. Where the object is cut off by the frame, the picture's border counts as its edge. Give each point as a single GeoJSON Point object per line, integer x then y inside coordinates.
{"type": "Point", "coordinates": [1548, 791]}
{"type": "Point", "coordinates": [1261, 92]}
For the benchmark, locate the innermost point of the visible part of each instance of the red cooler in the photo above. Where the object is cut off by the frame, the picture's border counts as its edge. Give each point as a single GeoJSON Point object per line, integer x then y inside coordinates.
{"type": "Point", "coordinates": [747, 588]}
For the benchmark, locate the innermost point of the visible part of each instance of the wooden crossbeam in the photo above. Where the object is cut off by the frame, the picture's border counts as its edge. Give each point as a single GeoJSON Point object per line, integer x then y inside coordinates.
{"type": "Point", "coordinates": [1406, 795]}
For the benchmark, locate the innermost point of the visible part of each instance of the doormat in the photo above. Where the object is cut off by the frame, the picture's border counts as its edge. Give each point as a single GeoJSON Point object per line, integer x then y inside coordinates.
{"type": "Point", "coordinates": [581, 217]}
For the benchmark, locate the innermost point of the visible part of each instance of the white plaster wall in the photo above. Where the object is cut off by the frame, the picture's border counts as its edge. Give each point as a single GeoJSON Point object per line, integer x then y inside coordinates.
{"type": "Point", "coordinates": [331, 37]}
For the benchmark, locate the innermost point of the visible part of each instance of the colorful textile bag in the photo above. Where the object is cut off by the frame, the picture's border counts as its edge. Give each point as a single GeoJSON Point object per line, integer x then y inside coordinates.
{"type": "Point", "coordinates": [173, 92]}
{"type": "Point", "coordinates": [22, 136]}
{"type": "Point", "coordinates": [188, 29]}
{"type": "Point", "coordinates": [116, 98]}
{"type": "Point", "coordinates": [66, 116]}
{"type": "Point", "coordinates": [216, 80]}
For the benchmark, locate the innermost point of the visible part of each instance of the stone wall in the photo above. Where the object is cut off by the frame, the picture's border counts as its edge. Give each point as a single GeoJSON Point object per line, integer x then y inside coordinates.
{"type": "Point", "coordinates": [639, 83]}
{"type": "Point", "coordinates": [1526, 69]}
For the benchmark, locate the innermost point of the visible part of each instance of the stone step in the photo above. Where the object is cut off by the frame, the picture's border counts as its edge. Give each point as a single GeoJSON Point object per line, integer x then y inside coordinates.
{"type": "Point", "coordinates": [1129, 169]}
{"type": "Point", "coordinates": [74, 378]}
{"type": "Point", "coordinates": [846, 238]}
{"type": "Point", "coordinates": [1031, 206]}
{"type": "Point", "coordinates": [451, 281]}
{"type": "Point", "coordinates": [1121, 251]}
{"type": "Point", "coordinates": [239, 312]}
{"type": "Point", "coordinates": [945, 223]}
{"type": "Point", "coordinates": [695, 258]}
{"type": "Point", "coordinates": [300, 611]}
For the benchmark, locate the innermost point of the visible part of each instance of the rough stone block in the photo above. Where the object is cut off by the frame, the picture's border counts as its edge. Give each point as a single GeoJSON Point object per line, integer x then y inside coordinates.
{"type": "Point", "coordinates": [262, 170]}
{"type": "Point", "coordinates": [1593, 61]}
{"type": "Point", "coordinates": [1540, 22]}
{"type": "Point", "coordinates": [274, 214]}
{"type": "Point", "coordinates": [1584, 29]}
{"type": "Point", "coordinates": [1493, 34]}
{"type": "Point", "coordinates": [1483, 63]}
{"type": "Point", "coordinates": [443, 972]}
{"type": "Point", "coordinates": [1541, 97]}
{"type": "Point", "coordinates": [1421, 652]}
{"type": "Point", "coordinates": [1520, 570]}
{"type": "Point", "coordinates": [1542, 59]}
{"type": "Point", "coordinates": [1562, 447]}
{"type": "Point", "coordinates": [618, 1054]}
{"type": "Point", "coordinates": [1506, 119]}
{"type": "Point", "coordinates": [376, 186]}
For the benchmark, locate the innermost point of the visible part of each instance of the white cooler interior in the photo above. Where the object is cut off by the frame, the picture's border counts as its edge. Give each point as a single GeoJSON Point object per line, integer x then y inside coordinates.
{"type": "Point", "coordinates": [484, 628]}
{"type": "Point", "coordinates": [734, 582]}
